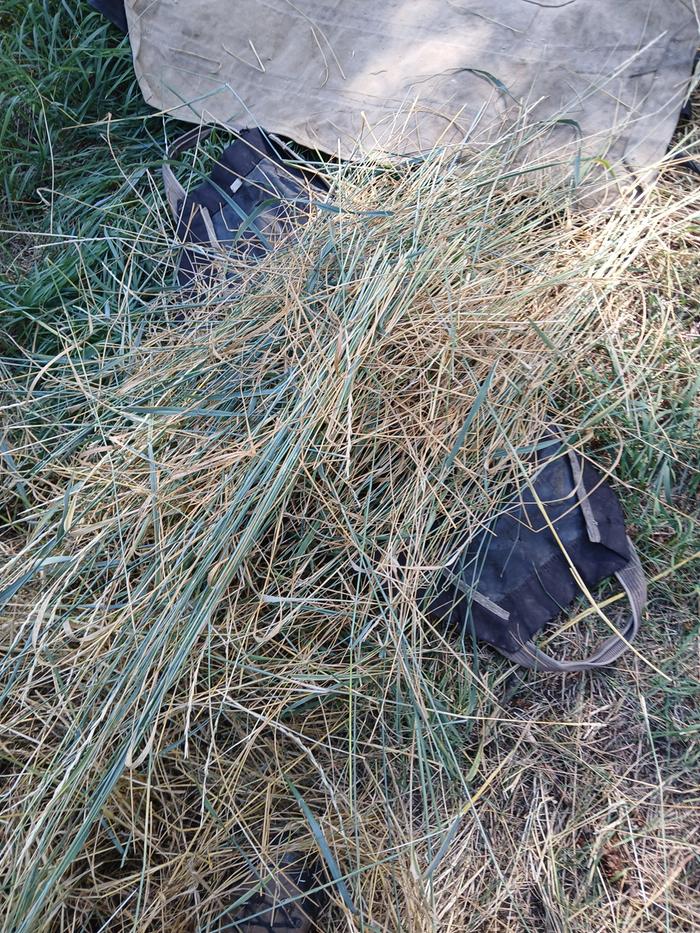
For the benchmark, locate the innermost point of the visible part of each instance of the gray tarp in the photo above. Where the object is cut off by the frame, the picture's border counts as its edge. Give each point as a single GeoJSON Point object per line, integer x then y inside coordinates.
{"type": "Point", "coordinates": [350, 76]}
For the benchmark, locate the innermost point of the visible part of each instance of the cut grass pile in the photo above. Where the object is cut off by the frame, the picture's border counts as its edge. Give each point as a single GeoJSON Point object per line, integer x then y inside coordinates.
{"type": "Point", "coordinates": [219, 510]}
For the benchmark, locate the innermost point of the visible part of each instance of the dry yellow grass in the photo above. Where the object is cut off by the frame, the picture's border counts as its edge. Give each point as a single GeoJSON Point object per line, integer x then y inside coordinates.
{"type": "Point", "coordinates": [224, 642]}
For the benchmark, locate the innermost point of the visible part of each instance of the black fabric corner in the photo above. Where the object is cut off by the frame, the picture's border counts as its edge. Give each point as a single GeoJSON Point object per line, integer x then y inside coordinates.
{"type": "Point", "coordinates": [113, 10]}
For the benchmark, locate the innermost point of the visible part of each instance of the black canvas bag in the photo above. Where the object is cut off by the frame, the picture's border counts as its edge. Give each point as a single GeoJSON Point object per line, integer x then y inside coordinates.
{"type": "Point", "coordinates": [256, 193]}
{"type": "Point", "coordinates": [519, 573]}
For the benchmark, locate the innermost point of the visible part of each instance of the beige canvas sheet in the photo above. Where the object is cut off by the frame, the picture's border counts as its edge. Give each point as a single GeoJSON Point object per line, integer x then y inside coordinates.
{"type": "Point", "coordinates": [351, 76]}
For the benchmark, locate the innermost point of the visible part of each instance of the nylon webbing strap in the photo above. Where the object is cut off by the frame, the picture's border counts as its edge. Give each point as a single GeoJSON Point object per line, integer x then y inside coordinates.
{"type": "Point", "coordinates": [592, 529]}
{"type": "Point", "coordinates": [174, 191]}
{"type": "Point", "coordinates": [634, 584]}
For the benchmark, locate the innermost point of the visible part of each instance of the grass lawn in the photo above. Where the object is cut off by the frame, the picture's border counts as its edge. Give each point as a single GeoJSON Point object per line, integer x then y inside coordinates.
{"type": "Point", "coordinates": [218, 511]}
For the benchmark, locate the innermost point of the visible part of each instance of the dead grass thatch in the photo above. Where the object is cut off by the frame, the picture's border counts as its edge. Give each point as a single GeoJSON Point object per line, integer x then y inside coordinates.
{"type": "Point", "coordinates": [226, 533]}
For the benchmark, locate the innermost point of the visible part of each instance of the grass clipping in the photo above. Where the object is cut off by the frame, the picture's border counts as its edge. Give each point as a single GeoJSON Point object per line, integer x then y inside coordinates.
{"type": "Point", "coordinates": [223, 646]}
